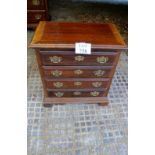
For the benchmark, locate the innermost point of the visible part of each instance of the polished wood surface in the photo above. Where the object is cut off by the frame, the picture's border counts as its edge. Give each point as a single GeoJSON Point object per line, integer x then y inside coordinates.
{"type": "Point", "coordinates": [65, 35]}
{"type": "Point", "coordinates": [72, 78]}
{"type": "Point", "coordinates": [35, 16]}
{"type": "Point", "coordinates": [81, 60]}
{"type": "Point", "coordinates": [36, 4]}
{"type": "Point", "coordinates": [71, 94]}
{"type": "Point", "coordinates": [72, 83]}
{"type": "Point", "coordinates": [84, 71]}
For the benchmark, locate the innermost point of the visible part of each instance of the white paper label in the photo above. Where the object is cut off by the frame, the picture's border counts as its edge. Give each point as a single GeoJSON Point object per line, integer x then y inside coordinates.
{"type": "Point", "coordinates": [82, 48]}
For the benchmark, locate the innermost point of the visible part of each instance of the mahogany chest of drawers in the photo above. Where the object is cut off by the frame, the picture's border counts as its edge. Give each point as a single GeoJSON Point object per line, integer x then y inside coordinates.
{"type": "Point", "coordinates": [37, 10]}
{"type": "Point", "coordinates": [76, 78]}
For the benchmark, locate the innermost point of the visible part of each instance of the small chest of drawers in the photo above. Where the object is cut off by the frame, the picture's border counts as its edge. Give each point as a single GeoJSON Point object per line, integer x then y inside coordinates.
{"type": "Point", "coordinates": [76, 78]}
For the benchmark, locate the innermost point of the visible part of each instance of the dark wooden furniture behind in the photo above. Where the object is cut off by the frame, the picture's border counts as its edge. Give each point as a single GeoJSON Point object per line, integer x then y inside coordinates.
{"type": "Point", "coordinates": [75, 78]}
{"type": "Point", "coordinates": [37, 10]}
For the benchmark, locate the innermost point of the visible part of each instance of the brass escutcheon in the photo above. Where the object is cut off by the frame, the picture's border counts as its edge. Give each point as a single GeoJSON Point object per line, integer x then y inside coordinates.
{"type": "Point", "coordinates": [94, 93]}
{"type": "Point", "coordinates": [36, 2]}
{"type": "Point", "coordinates": [56, 73]}
{"type": "Point", "coordinates": [55, 59]}
{"type": "Point", "coordinates": [37, 17]}
{"type": "Point", "coordinates": [79, 58]}
{"type": "Point", "coordinates": [58, 84]}
{"type": "Point", "coordinates": [78, 72]}
{"type": "Point", "coordinates": [96, 84]}
{"type": "Point", "coordinates": [102, 59]}
{"type": "Point", "coordinates": [77, 83]}
{"type": "Point", "coordinates": [77, 93]}
{"type": "Point", "coordinates": [99, 73]}
{"type": "Point", "coordinates": [59, 94]}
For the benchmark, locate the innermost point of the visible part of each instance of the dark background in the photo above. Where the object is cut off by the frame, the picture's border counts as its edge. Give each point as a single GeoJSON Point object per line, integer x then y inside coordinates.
{"type": "Point", "coordinates": [77, 11]}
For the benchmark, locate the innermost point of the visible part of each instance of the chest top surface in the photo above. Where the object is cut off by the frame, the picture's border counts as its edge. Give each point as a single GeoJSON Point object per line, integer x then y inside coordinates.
{"type": "Point", "coordinates": [65, 35]}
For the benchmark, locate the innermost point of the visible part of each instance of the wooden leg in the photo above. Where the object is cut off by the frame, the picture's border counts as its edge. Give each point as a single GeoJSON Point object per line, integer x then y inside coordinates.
{"type": "Point", "coordinates": [103, 103]}
{"type": "Point", "coordinates": [48, 105]}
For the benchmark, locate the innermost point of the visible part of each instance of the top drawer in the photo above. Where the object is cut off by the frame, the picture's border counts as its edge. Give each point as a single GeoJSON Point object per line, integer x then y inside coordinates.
{"type": "Point", "coordinates": [69, 58]}
{"type": "Point", "coordinates": [35, 4]}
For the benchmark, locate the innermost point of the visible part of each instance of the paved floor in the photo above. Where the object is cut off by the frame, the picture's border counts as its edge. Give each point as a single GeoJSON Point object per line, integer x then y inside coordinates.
{"type": "Point", "coordinates": [80, 129]}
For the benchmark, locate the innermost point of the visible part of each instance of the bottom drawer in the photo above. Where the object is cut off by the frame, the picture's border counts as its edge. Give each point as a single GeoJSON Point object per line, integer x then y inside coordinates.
{"type": "Point", "coordinates": [76, 93]}
{"type": "Point", "coordinates": [36, 16]}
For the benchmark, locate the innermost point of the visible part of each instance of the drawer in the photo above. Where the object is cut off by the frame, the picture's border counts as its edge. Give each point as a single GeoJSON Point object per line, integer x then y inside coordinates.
{"type": "Point", "coordinates": [96, 59]}
{"type": "Point", "coordinates": [36, 4]}
{"type": "Point", "coordinates": [77, 83]}
{"type": "Point", "coordinates": [77, 71]}
{"type": "Point", "coordinates": [75, 93]}
{"type": "Point", "coordinates": [36, 16]}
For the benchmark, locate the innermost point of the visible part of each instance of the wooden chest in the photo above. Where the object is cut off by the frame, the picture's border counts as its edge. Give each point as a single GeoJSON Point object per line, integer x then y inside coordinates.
{"type": "Point", "coordinates": [76, 78]}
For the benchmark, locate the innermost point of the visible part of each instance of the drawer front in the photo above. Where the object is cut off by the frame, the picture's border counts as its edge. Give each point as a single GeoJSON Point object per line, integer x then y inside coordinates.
{"type": "Point", "coordinates": [35, 4]}
{"type": "Point", "coordinates": [106, 58]}
{"type": "Point", "coordinates": [34, 17]}
{"type": "Point", "coordinates": [77, 72]}
{"type": "Point", "coordinates": [75, 93]}
{"type": "Point", "coordinates": [77, 84]}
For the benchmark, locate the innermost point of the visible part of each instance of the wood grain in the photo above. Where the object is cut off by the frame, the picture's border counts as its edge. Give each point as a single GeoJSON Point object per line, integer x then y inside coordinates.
{"type": "Point", "coordinates": [31, 16]}
{"type": "Point", "coordinates": [70, 94]}
{"type": "Point", "coordinates": [65, 35]}
{"type": "Point", "coordinates": [77, 83]}
{"type": "Point", "coordinates": [69, 71]}
{"type": "Point", "coordinates": [89, 60]}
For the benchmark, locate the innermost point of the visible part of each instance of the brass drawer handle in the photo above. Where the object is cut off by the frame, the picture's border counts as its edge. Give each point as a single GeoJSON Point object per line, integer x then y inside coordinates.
{"type": "Point", "coordinates": [77, 83]}
{"type": "Point", "coordinates": [37, 17]}
{"type": "Point", "coordinates": [94, 93]}
{"type": "Point", "coordinates": [79, 58]}
{"type": "Point", "coordinates": [56, 73]}
{"type": "Point", "coordinates": [96, 84]}
{"type": "Point", "coordinates": [99, 73]}
{"type": "Point", "coordinates": [36, 2]}
{"type": "Point", "coordinates": [59, 94]}
{"type": "Point", "coordinates": [102, 59]}
{"type": "Point", "coordinates": [58, 84]}
{"type": "Point", "coordinates": [77, 93]}
{"type": "Point", "coordinates": [78, 72]}
{"type": "Point", "coordinates": [55, 59]}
